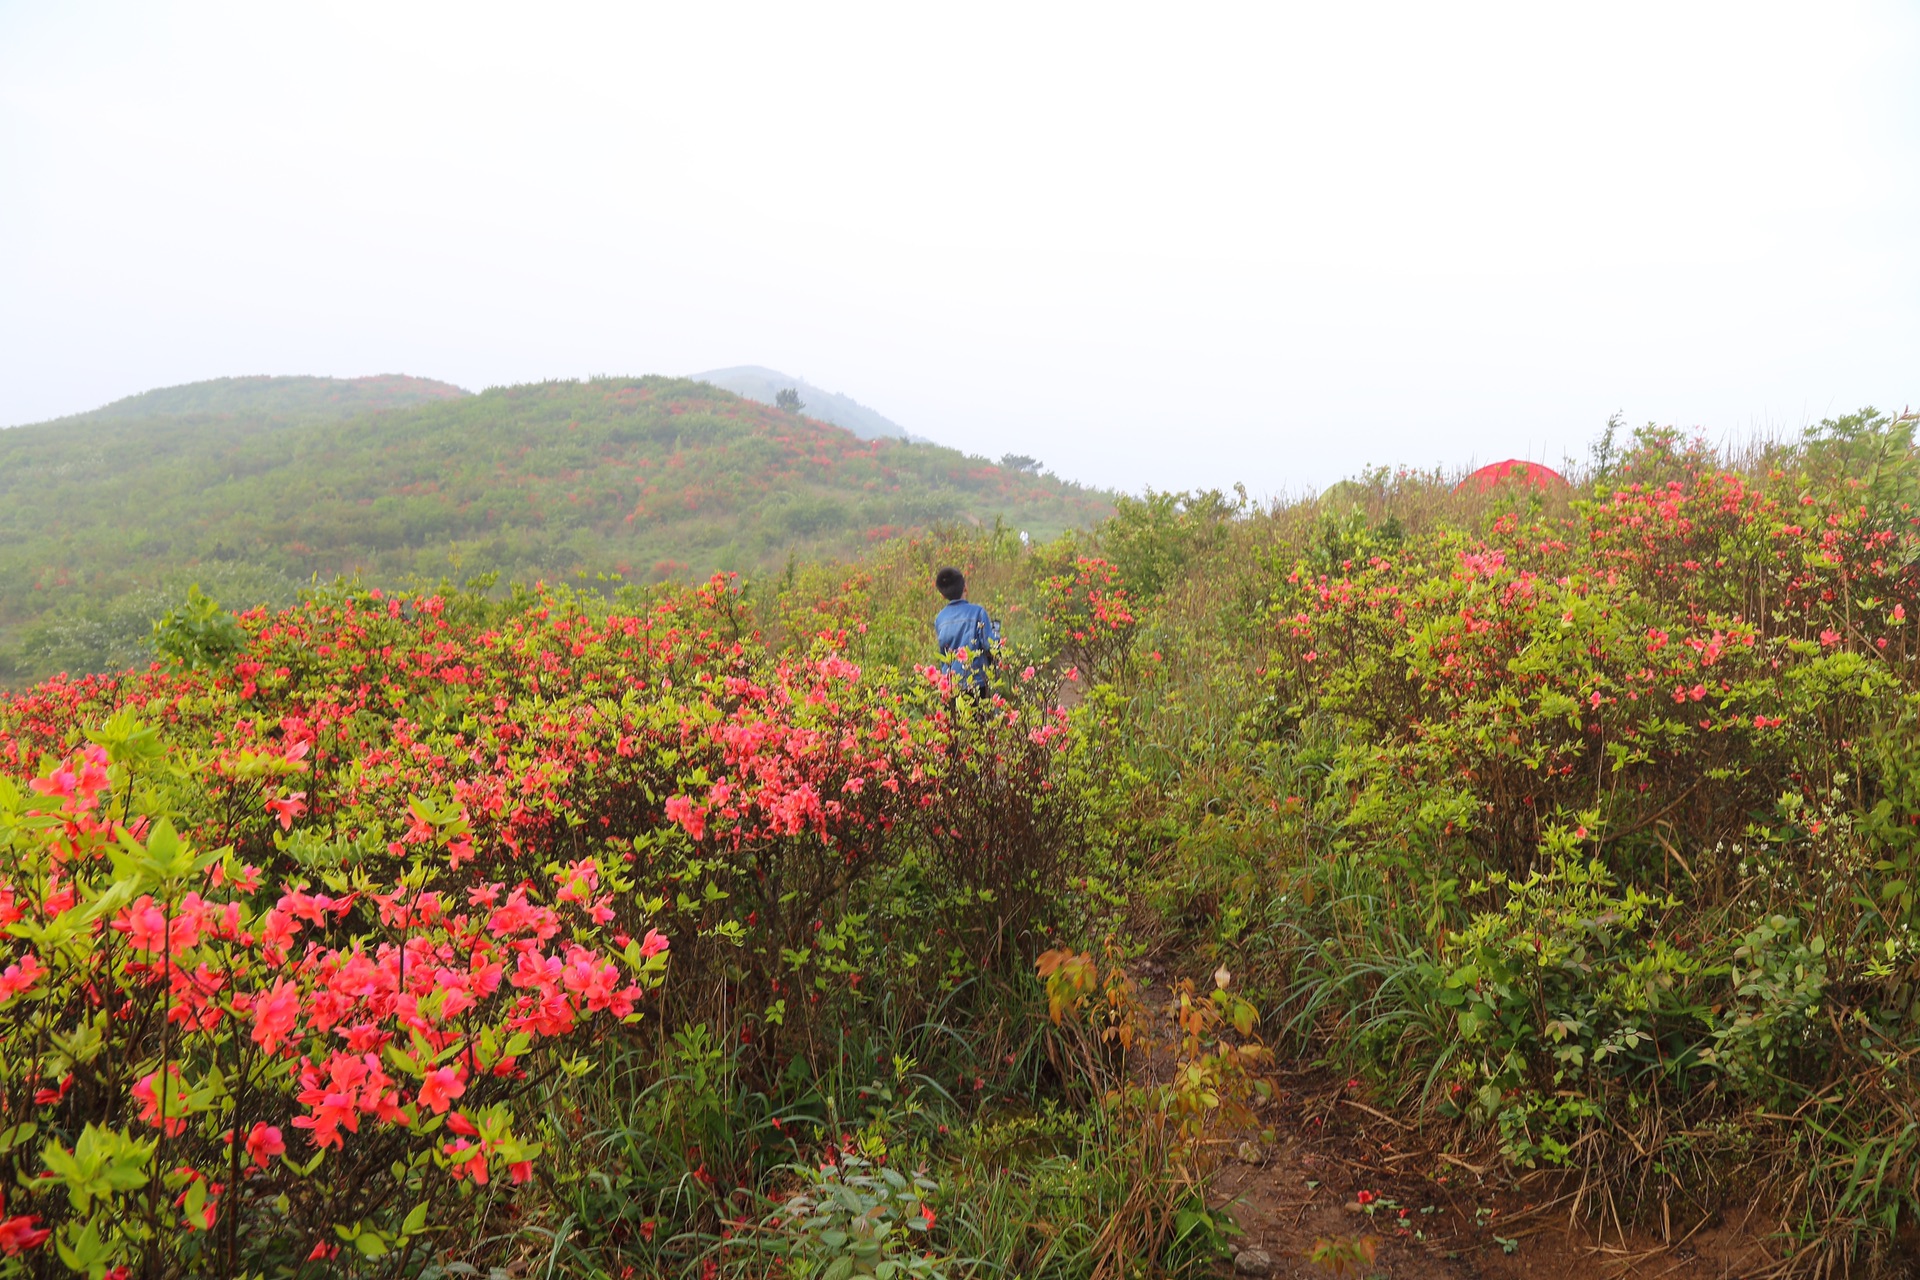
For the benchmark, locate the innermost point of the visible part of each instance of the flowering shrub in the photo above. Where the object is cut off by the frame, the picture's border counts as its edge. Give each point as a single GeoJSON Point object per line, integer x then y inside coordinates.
{"type": "Point", "coordinates": [1619, 809]}
{"type": "Point", "coordinates": [307, 924]}
{"type": "Point", "coordinates": [204, 1069]}
{"type": "Point", "coordinates": [1086, 614]}
{"type": "Point", "coordinates": [1673, 662]}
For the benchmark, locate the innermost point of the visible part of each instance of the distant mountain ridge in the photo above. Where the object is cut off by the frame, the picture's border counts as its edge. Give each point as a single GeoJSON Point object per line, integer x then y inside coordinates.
{"type": "Point", "coordinates": [756, 382]}
{"type": "Point", "coordinates": [279, 397]}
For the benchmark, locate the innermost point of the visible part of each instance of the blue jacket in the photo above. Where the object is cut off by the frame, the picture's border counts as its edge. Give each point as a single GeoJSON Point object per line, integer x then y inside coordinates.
{"type": "Point", "coordinates": [965, 625]}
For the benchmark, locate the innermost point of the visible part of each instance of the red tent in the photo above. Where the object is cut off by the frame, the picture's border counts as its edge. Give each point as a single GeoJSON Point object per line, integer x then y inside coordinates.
{"type": "Point", "coordinates": [1513, 471]}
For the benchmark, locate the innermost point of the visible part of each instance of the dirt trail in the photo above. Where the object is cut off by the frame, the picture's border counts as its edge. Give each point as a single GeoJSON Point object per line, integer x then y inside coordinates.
{"type": "Point", "coordinates": [1338, 1167]}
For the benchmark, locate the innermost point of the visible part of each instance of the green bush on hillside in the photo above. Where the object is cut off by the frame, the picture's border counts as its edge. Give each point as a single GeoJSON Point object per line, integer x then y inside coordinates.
{"type": "Point", "coordinates": [1583, 823]}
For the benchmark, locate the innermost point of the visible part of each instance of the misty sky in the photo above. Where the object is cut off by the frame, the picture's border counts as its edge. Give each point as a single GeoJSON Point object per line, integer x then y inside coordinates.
{"type": "Point", "coordinates": [1171, 246]}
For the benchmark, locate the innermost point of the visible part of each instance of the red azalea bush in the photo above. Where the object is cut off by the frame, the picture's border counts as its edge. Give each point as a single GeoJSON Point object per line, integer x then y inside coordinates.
{"type": "Point", "coordinates": [306, 920]}
{"type": "Point", "coordinates": [1620, 817]}
{"type": "Point", "coordinates": [1086, 612]}
{"type": "Point", "coordinates": [1689, 648]}
{"type": "Point", "coordinates": [208, 1070]}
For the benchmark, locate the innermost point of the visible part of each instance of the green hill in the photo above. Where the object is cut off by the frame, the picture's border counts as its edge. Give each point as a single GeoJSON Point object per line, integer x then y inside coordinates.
{"type": "Point", "coordinates": [279, 399]}
{"type": "Point", "coordinates": [105, 517]}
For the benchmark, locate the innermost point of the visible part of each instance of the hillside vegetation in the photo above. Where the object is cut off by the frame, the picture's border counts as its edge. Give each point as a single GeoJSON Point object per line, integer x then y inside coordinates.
{"type": "Point", "coordinates": [253, 487]}
{"type": "Point", "coordinates": [270, 399]}
{"type": "Point", "coordinates": [696, 930]}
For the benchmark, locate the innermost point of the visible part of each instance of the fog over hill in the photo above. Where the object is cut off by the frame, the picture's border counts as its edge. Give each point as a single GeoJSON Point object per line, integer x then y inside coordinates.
{"type": "Point", "coordinates": [756, 382]}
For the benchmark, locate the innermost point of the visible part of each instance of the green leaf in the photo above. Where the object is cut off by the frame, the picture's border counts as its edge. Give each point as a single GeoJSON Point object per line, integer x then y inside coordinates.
{"type": "Point", "coordinates": [81, 1248]}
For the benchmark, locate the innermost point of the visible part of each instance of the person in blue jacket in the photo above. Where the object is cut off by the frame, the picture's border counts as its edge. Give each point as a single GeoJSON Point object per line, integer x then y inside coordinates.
{"type": "Point", "coordinates": [963, 625]}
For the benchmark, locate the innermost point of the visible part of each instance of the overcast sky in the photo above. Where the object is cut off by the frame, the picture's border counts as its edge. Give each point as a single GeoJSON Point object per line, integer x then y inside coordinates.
{"type": "Point", "coordinates": [1177, 245]}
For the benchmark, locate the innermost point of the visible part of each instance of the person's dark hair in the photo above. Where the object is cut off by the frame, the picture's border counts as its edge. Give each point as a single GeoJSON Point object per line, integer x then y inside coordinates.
{"type": "Point", "coordinates": [950, 583]}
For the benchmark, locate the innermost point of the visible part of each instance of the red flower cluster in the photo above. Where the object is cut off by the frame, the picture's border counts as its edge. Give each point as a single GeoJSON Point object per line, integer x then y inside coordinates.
{"type": "Point", "coordinates": [1672, 631]}
{"type": "Point", "coordinates": [360, 889]}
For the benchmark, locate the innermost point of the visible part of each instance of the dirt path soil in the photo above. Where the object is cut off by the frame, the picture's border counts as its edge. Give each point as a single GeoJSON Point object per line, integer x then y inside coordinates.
{"type": "Point", "coordinates": [1340, 1168]}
